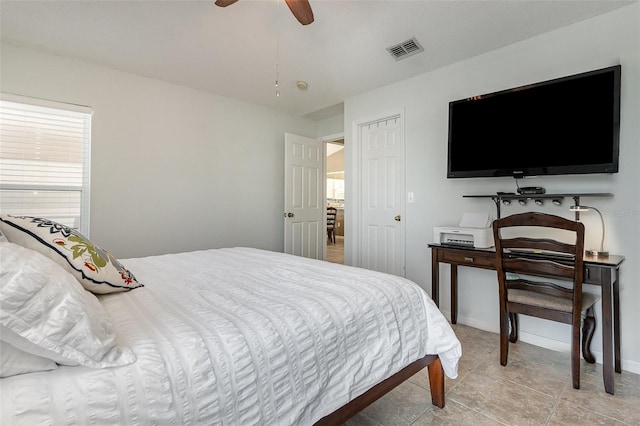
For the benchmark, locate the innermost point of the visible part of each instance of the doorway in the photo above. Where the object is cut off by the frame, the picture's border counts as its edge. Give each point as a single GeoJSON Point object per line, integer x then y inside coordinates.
{"type": "Point", "coordinates": [334, 195]}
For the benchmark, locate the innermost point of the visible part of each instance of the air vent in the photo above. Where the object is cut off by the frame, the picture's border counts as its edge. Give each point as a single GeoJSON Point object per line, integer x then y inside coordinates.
{"type": "Point", "coordinates": [405, 49]}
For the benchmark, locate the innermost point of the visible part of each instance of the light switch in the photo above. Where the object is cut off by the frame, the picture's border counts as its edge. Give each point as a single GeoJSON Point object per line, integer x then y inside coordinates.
{"type": "Point", "coordinates": [410, 198]}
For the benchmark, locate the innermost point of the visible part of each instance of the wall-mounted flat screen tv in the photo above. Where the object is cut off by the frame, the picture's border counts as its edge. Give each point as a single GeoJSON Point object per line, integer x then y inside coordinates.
{"type": "Point", "coordinates": [569, 125]}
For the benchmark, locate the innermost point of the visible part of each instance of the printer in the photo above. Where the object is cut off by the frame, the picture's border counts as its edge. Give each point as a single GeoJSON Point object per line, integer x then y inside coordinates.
{"type": "Point", "coordinates": [474, 230]}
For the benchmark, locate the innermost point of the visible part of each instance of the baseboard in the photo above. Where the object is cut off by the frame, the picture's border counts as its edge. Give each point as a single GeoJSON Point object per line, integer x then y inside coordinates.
{"type": "Point", "coordinates": [542, 341]}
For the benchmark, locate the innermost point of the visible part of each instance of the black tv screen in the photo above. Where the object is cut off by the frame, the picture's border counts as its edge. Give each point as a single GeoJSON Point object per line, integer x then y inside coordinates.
{"type": "Point", "coordinates": [569, 125]}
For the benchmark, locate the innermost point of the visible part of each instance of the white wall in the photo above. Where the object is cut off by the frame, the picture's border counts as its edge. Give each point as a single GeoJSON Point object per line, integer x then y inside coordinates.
{"type": "Point", "coordinates": [173, 169]}
{"type": "Point", "coordinates": [596, 43]}
{"type": "Point", "coordinates": [331, 126]}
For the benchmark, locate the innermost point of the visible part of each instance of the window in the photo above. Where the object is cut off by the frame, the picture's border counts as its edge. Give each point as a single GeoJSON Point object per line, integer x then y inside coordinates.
{"type": "Point", "coordinates": [44, 160]}
{"type": "Point", "coordinates": [335, 188]}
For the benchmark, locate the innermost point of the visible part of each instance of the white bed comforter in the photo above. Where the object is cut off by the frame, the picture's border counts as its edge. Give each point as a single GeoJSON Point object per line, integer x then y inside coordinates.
{"type": "Point", "coordinates": [240, 337]}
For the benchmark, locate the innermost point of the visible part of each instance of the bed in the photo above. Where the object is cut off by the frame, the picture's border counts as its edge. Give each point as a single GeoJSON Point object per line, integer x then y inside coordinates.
{"type": "Point", "coordinates": [233, 336]}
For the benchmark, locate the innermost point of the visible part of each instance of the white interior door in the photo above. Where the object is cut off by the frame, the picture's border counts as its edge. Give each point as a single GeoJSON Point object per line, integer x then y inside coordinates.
{"type": "Point", "coordinates": [304, 209]}
{"type": "Point", "coordinates": [382, 196]}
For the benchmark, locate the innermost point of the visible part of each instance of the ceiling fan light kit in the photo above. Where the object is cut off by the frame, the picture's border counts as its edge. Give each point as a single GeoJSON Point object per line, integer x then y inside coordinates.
{"type": "Point", "coordinates": [301, 9]}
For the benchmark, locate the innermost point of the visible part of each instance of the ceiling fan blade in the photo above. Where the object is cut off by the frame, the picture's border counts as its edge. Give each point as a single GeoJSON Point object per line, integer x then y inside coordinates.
{"type": "Point", "coordinates": [225, 3]}
{"type": "Point", "coordinates": [301, 9]}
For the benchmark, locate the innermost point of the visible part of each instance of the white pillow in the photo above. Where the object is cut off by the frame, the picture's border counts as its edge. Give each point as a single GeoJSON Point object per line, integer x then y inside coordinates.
{"type": "Point", "coordinates": [95, 268]}
{"type": "Point", "coordinates": [44, 311]}
{"type": "Point", "coordinates": [14, 361]}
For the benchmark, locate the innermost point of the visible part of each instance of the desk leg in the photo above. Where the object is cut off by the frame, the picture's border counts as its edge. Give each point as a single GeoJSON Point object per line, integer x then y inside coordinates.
{"type": "Point", "coordinates": [616, 321]}
{"type": "Point", "coordinates": [454, 294]}
{"type": "Point", "coordinates": [607, 331]}
{"type": "Point", "coordinates": [435, 277]}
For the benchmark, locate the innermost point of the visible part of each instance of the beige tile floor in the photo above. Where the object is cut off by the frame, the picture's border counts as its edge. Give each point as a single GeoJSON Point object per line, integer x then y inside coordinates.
{"type": "Point", "coordinates": [533, 389]}
{"type": "Point", "coordinates": [335, 251]}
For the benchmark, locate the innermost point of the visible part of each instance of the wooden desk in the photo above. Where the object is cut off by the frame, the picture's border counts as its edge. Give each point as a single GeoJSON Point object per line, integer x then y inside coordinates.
{"type": "Point", "coordinates": [603, 272]}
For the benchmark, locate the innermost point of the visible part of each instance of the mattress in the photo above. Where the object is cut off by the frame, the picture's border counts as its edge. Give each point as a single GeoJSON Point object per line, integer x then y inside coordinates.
{"type": "Point", "coordinates": [240, 336]}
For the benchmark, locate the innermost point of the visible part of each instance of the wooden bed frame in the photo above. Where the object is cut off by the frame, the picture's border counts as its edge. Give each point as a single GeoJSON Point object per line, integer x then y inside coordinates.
{"type": "Point", "coordinates": [436, 384]}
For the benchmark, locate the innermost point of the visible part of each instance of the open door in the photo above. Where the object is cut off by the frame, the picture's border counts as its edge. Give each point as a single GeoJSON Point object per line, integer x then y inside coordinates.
{"type": "Point", "coordinates": [304, 210]}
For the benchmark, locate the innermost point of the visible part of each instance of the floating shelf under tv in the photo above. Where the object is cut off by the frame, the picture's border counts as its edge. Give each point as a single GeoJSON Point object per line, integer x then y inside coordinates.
{"type": "Point", "coordinates": [498, 198]}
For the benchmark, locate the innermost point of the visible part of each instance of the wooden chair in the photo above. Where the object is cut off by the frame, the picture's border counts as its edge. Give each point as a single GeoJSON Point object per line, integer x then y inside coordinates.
{"type": "Point", "coordinates": [332, 212]}
{"type": "Point", "coordinates": [523, 263]}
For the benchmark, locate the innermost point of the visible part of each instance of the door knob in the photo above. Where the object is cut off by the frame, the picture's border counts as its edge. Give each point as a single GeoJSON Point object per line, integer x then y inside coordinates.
{"type": "Point", "coordinates": [397, 218]}
{"type": "Point", "coordinates": [288, 214]}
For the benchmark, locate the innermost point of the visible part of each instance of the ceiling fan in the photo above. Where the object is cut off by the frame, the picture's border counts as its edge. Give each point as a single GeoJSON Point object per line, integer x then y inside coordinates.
{"type": "Point", "coordinates": [301, 9]}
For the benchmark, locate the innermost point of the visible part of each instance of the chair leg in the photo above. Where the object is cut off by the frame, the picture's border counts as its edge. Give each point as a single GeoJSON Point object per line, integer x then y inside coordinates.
{"type": "Point", "coordinates": [575, 355]}
{"type": "Point", "coordinates": [588, 328]}
{"type": "Point", "coordinates": [515, 325]}
{"type": "Point", "coordinates": [575, 370]}
{"type": "Point", "coordinates": [504, 334]}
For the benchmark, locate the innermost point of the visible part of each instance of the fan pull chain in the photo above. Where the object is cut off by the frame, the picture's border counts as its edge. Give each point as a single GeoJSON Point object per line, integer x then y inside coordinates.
{"type": "Point", "coordinates": [277, 55]}
{"type": "Point", "coordinates": [277, 86]}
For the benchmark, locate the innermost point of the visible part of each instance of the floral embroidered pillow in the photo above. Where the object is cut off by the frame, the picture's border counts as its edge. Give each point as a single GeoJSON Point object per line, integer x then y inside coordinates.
{"type": "Point", "coordinates": [96, 269]}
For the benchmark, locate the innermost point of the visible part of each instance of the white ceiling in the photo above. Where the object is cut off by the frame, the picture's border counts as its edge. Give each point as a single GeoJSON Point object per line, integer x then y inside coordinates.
{"type": "Point", "coordinates": [239, 51]}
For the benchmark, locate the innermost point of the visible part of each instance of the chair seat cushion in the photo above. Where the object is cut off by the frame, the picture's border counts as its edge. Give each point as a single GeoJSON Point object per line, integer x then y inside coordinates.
{"type": "Point", "coordinates": [550, 302]}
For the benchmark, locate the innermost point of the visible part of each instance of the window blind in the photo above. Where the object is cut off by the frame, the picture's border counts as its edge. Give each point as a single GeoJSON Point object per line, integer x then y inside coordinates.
{"type": "Point", "coordinates": [45, 160]}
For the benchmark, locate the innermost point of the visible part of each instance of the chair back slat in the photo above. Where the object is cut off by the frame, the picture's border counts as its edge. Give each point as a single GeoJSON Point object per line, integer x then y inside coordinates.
{"type": "Point", "coordinates": [538, 267]}
{"type": "Point", "coordinates": [540, 220]}
{"type": "Point", "coordinates": [543, 244]}
{"type": "Point", "coordinates": [541, 287]}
